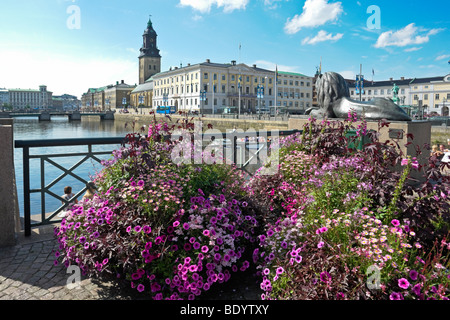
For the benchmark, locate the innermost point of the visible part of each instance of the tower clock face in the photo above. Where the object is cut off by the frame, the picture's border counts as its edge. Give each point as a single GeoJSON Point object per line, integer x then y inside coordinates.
{"type": "Point", "coordinates": [151, 39]}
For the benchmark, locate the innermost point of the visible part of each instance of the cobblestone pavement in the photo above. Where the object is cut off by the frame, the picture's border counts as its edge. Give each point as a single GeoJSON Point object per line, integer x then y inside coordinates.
{"type": "Point", "coordinates": [27, 272]}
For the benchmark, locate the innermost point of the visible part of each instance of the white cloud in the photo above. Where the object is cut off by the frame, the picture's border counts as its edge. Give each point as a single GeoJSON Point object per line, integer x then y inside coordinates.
{"type": "Point", "coordinates": [442, 57]}
{"type": "Point", "coordinates": [409, 35]}
{"type": "Point", "coordinates": [271, 4]}
{"type": "Point", "coordinates": [315, 13]}
{"type": "Point", "coordinates": [321, 37]}
{"type": "Point", "coordinates": [204, 6]}
{"type": "Point", "coordinates": [272, 66]}
{"type": "Point", "coordinates": [63, 73]}
{"type": "Point", "coordinates": [413, 49]}
{"type": "Point", "coordinates": [347, 74]}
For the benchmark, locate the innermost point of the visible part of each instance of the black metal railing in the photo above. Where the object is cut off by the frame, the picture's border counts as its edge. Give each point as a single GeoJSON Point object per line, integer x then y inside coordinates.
{"type": "Point", "coordinates": [253, 143]}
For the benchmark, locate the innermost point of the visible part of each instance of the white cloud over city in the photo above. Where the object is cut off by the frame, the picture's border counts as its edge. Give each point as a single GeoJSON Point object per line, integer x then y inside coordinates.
{"type": "Point", "coordinates": [204, 6]}
{"type": "Point", "coordinates": [321, 37]}
{"type": "Point", "coordinates": [315, 13]}
{"type": "Point", "coordinates": [409, 35]}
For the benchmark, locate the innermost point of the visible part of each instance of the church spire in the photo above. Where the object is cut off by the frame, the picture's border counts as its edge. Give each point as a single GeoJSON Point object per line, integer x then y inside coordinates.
{"type": "Point", "coordinates": [149, 47]}
{"type": "Point", "coordinates": [149, 23]}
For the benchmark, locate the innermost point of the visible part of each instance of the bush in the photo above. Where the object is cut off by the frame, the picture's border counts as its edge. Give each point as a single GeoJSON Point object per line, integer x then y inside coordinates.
{"type": "Point", "coordinates": [332, 223]}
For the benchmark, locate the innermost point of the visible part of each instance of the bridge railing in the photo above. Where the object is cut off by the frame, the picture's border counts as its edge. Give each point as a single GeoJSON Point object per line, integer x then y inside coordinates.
{"type": "Point", "coordinates": [246, 150]}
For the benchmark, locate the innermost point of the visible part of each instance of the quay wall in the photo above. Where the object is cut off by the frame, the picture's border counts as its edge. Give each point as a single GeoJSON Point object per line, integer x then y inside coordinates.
{"type": "Point", "coordinates": [222, 124]}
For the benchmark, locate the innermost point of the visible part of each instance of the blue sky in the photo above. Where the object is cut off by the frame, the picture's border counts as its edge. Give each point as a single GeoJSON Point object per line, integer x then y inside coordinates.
{"type": "Point", "coordinates": [72, 45]}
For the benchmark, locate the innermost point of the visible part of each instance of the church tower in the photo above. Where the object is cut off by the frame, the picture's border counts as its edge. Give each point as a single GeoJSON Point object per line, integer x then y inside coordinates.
{"type": "Point", "coordinates": [149, 59]}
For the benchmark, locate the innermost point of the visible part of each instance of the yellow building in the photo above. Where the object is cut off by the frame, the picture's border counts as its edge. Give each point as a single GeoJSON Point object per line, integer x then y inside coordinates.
{"type": "Point", "coordinates": [441, 96]}
{"type": "Point", "coordinates": [141, 96]}
{"type": "Point", "coordinates": [212, 87]}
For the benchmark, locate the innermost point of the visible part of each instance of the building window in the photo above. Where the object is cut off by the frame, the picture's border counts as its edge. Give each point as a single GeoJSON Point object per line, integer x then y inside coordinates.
{"type": "Point", "coordinates": [437, 96]}
{"type": "Point", "coordinates": [425, 97]}
{"type": "Point", "coordinates": [205, 76]}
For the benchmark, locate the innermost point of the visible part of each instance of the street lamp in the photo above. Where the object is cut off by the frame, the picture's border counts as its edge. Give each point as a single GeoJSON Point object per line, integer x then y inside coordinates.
{"type": "Point", "coordinates": [444, 100]}
{"type": "Point", "coordinates": [202, 98]}
{"type": "Point", "coordinates": [141, 101]}
{"type": "Point", "coordinates": [260, 95]}
{"type": "Point", "coordinates": [165, 100]}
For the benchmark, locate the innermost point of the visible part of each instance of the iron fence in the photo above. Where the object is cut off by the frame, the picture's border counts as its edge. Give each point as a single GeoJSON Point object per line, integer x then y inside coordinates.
{"type": "Point", "coordinates": [246, 149]}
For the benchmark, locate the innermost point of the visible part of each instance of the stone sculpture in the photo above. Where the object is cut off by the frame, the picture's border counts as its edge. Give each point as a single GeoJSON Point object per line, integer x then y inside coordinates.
{"type": "Point", "coordinates": [334, 101]}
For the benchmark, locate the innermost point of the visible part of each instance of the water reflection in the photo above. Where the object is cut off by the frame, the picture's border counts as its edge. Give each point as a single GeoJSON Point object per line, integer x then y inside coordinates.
{"type": "Point", "coordinates": [60, 128]}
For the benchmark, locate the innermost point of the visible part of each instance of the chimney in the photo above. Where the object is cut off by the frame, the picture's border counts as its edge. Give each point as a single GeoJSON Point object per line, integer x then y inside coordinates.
{"type": "Point", "coordinates": [402, 78]}
{"type": "Point", "coordinates": [208, 61]}
{"type": "Point", "coordinates": [233, 62]}
{"type": "Point", "coordinates": [254, 66]}
{"type": "Point", "coordinates": [122, 82]}
{"type": "Point", "coordinates": [391, 79]}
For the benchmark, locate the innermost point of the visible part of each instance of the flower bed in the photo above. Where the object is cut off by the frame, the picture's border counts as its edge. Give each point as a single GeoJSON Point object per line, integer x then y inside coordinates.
{"type": "Point", "coordinates": [332, 223]}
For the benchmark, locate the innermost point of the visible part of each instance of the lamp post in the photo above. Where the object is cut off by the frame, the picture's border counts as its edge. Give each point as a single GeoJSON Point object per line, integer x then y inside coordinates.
{"type": "Point", "coordinates": [202, 98]}
{"type": "Point", "coordinates": [165, 100]}
{"type": "Point", "coordinates": [444, 100]}
{"type": "Point", "coordinates": [141, 101]}
{"type": "Point", "coordinates": [360, 84]}
{"type": "Point", "coordinates": [259, 95]}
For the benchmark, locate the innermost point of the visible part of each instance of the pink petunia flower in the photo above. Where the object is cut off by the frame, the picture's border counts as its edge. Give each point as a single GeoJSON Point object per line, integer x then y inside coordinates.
{"type": "Point", "coordinates": [403, 283]}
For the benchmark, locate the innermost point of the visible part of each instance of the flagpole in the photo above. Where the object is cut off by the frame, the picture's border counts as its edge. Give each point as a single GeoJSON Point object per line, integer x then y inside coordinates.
{"type": "Point", "coordinates": [239, 83]}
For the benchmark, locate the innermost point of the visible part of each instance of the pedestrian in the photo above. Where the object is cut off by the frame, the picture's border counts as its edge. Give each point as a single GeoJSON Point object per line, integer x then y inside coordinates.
{"type": "Point", "coordinates": [68, 196]}
{"type": "Point", "coordinates": [90, 190]}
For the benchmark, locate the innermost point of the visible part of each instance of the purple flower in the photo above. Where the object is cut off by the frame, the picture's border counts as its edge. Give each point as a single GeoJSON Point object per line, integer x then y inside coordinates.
{"type": "Point", "coordinates": [416, 289]}
{"type": "Point", "coordinates": [280, 270]}
{"type": "Point", "coordinates": [403, 283]}
{"type": "Point", "coordinates": [395, 296]}
{"type": "Point", "coordinates": [325, 277]}
{"type": "Point", "coordinates": [395, 222]}
{"type": "Point", "coordinates": [405, 162]}
{"type": "Point", "coordinates": [413, 275]}
{"type": "Point", "coordinates": [137, 229]}
{"type": "Point", "coordinates": [147, 229]}
{"type": "Point", "coordinates": [186, 226]}
{"type": "Point", "coordinates": [205, 249]}
{"type": "Point", "coordinates": [320, 244]}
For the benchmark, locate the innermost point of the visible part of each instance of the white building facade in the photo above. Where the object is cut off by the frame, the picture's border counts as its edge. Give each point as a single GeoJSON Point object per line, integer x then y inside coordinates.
{"type": "Point", "coordinates": [211, 87]}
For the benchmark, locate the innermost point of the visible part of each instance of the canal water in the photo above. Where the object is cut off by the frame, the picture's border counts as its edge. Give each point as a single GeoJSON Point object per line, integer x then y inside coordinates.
{"type": "Point", "coordinates": [60, 128]}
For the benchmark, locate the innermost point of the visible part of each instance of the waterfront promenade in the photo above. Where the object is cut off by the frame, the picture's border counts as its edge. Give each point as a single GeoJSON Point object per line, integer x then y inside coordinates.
{"type": "Point", "coordinates": [27, 272]}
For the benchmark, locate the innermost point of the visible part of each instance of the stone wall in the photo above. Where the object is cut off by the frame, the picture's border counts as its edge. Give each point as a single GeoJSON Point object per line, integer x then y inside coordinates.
{"type": "Point", "coordinates": [8, 195]}
{"type": "Point", "coordinates": [222, 124]}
